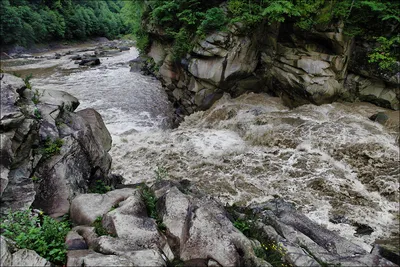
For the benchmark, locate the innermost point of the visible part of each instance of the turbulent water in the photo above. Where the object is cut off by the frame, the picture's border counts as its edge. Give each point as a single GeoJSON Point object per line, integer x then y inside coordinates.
{"type": "Point", "coordinates": [337, 166]}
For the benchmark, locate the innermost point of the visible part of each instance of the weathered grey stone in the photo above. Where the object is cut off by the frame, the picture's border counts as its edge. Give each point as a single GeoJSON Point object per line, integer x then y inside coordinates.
{"type": "Point", "coordinates": [305, 241]}
{"type": "Point", "coordinates": [5, 254]}
{"type": "Point", "coordinates": [210, 70]}
{"type": "Point", "coordinates": [86, 208]}
{"type": "Point", "coordinates": [60, 99]}
{"type": "Point", "coordinates": [148, 257]}
{"type": "Point", "coordinates": [99, 129]}
{"type": "Point", "coordinates": [61, 177]}
{"type": "Point", "coordinates": [157, 52]}
{"type": "Point", "coordinates": [241, 59]}
{"type": "Point", "coordinates": [11, 88]}
{"type": "Point", "coordinates": [198, 230]}
{"type": "Point", "coordinates": [88, 258]}
{"type": "Point", "coordinates": [88, 233]}
{"type": "Point", "coordinates": [372, 90]}
{"type": "Point", "coordinates": [25, 257]}
{"type": "Point", "coordinates": [130, 222]}
{"type": "Point", "coordinates": [74, 241]}
{"type": "Point", "coordinates": [76, 126]}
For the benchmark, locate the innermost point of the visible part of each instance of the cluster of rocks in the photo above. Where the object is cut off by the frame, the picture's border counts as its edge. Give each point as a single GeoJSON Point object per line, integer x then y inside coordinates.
{"type": "Point", "coordinates": [193, 229]}
{"type": "Point", "coordinates": [49, 153]}
{"type": "Point", "coordinates": [319, 66]}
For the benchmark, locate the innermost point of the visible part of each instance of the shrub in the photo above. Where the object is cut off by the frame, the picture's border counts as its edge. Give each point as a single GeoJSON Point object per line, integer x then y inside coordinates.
{"type": "Point", "coordinates": [40, 233]}
{"type": "Point", "coordinates": [214, 20]}
{"type": "Point", "coordinates": [52, 147]}
{"type": "Point", "coordinates": [100, 187]}
{"type": "Point", "coordinates": [98, 227]}
{"type": "Point", "coordinates": [150, 201]}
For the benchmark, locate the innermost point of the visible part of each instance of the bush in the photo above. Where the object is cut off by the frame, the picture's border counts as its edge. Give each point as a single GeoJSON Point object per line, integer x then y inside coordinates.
{"type": "Point", "coordinates": [40, 233]}
{"type": "Point", "coordinates": [214, 20]}
{"type": "Point", "coordinates": [52, 147]}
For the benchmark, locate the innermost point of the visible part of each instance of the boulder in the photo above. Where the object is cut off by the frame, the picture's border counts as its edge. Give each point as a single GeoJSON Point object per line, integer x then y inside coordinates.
{"type": "Point", "coordinates": [198, 230]}
{"type": "Point", "coordinates": [99, 129]}
{"type": "Point", "coordinates": [11, 88]}
{"type": "Point", "coordinates": [74, 241]}
{"type": "Point", "coordinates": [25, 257]}
{"type": "Point", "coordinates": [372, 90]}
{"type": "Point", "coordinates": [89, 62]}
{"type": "Point", "coordinates": [86, 208]}
{"type": "Point", "coordinates": [90, 258]}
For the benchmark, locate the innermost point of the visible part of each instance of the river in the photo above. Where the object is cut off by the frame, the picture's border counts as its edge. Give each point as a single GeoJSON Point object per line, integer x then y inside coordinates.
{"type": "Point", "coordinates": [337, 166]}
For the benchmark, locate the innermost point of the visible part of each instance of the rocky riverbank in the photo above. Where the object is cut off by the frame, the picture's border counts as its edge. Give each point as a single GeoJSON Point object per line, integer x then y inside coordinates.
{"type": "Point", "coordinates": [52, 156]}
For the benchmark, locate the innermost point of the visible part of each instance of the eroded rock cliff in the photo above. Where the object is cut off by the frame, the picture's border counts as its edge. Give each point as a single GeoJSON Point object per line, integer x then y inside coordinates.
{"type": "Point", "coordinates": [318, 66]}
{"type": "Point", "coordinates": [48, 153]}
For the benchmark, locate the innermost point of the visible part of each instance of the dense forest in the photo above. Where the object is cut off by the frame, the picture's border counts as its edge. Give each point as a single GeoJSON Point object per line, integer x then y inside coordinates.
{"type": "Point", "coordinates": [183, 20]}
{"type": "Point", "coordinates": [25, 22]}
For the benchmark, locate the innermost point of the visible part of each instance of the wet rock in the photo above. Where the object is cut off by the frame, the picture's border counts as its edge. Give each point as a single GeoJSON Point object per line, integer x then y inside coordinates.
{"type": "Point", "coordinates": [76, 57]}
{"type": "Point", "coordinates": [379, 117]}
{"type": "Point", "coordinates": [124, 48]}
{"type": "Point", "coordinates": [388, 249]}
{"type": "Point", "coordinates": [306, 243]}
{"type": "Point", "coordinates": [86, 208]}
{"type": "Point", "coordinates": [88, 233]}
{"type": "Point", "coordinates": [372, 90]}
{"type": "Point", "coordinates": [89, 62]}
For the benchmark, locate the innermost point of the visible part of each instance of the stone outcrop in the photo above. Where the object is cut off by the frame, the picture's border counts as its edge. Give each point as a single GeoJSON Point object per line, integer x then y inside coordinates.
{"type": "Point", "coordinates": [49, 154]}
{"type": "Point", "coordinates": [196, 230]}
{"type": "Point", "coordinates": [21, 257]}
{"type": "Point", "coordinates": [318, 66]}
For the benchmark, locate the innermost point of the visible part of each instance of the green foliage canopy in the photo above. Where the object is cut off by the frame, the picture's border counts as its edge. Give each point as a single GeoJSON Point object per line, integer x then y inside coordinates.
{"type": "Point", "coordinates": [25, 22]}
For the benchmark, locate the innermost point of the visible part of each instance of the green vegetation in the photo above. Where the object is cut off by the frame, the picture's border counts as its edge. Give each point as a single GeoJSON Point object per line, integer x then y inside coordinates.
{"type": "Point", "coordinates": [98, 227]}
{"type": "Point", "coordinates": [181, 20]}
{"type": "Point", "coordinates": [384, 54]}
{"type": "Point", "coordinates": [100, 187]}
{"type": "Point", "coordinates": [161, 173]}
{"type": "Point", "coordinates": [40, 233]}
{"type": "Point", "coordinates": [26, 81]}
{"type": "Point", "coordinates": [36, 97]}
{"type": "Point", "coordinates": [25, 22]}
{"type": "Point", "coordinates": [37, 114]}
{"type": "Point", "coordinates": [150, 201]}
{"type": "Point", "coordinates": [51, 147]}
{"type": "Point", "coordinates": [269, 249]}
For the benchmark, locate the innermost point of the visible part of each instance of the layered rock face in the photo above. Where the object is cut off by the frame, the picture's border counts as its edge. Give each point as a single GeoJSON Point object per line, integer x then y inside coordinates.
{"type": "Point", "coordinates": [318, 67]}
{"type": "Point", "coordinates": [48, 153]}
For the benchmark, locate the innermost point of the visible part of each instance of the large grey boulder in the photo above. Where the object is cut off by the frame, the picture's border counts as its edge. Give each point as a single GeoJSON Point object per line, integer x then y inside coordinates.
{"type": "Point", "coordinates": [86, 208]}
{"type": "Point", "coordinates": [99, 130]}
{"type": "Point", "coordinates": [372, 90]}
{"type": "Point", "coordinates": [88, 258]}
{"type": "Point", "coordinates": [21, 257]}
{"type": "Point", "coordinates": [199, 230]}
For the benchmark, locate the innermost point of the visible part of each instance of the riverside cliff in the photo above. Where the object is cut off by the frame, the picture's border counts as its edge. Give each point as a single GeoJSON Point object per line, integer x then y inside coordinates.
{"type": "Point", "coordinates": [317, 66]}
